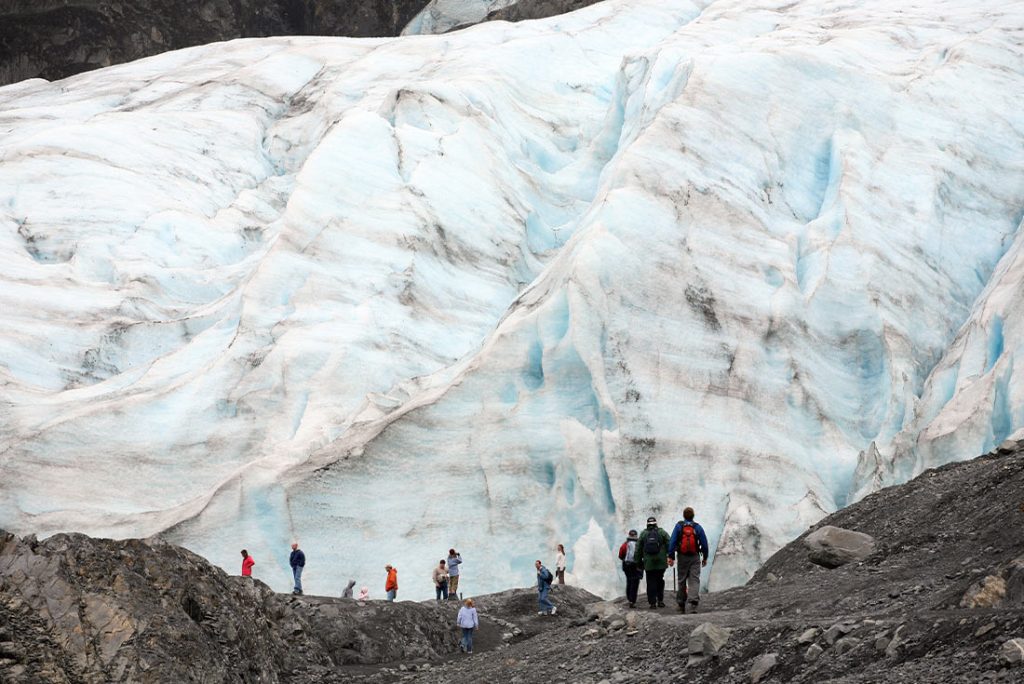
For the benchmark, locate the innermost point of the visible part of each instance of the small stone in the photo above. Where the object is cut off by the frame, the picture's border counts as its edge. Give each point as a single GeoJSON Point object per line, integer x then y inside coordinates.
{"type": "Point", "coordinates": [837, 630]}
{"type": "Point", "coordinates": [985, 629]}
{"type": "Point", "coordinates": [807, 636]}
{"type": "Point", "coordinates": [846, 644]}
{"type": "Point", "coordinates": [882, 642]}
{"type": "Point", "coordinates": [617, 625]}
{"type": "Point", "coordinates": [812, 653]}
{"type": "Point", "coordinates": [1012, 652]}
{"type": "Point", "coordinates": [762, 666]}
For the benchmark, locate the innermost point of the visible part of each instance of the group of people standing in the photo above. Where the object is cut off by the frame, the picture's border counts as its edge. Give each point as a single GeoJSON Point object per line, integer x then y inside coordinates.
{"type": "Point", "coordinates": [651, 552]}
{"type": "Point", "coordinates": [655, 551]}
{"type": "Point", "coordinates": [446, 576]}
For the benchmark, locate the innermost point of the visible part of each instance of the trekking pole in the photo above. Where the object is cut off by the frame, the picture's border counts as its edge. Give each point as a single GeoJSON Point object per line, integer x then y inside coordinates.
{"type": "Point", "coordinates": [674, 578]}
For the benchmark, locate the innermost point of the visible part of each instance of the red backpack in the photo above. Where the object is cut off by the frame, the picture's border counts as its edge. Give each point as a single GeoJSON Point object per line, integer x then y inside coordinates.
{"type": "Point", "coordinates": [688, 539]}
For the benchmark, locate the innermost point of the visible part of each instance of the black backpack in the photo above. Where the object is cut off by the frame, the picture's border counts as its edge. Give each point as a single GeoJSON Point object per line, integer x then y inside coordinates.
{"type": "Point", "coordinates": [652, 542]}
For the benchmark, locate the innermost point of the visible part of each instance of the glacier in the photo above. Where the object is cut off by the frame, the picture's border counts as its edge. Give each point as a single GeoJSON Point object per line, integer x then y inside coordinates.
{"type": "Point", "coordinates": [513, 286]}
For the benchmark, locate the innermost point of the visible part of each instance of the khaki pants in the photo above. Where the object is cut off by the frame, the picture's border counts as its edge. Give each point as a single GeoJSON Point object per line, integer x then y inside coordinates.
{"type": "Point", "coordinates": [453, 586]}
{"type": "Point", "coordinates": [688, 574]}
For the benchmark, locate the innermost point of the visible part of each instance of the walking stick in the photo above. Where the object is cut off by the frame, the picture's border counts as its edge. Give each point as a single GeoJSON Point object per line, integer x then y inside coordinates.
{"type": "Point", "coordinates": [674, 578]}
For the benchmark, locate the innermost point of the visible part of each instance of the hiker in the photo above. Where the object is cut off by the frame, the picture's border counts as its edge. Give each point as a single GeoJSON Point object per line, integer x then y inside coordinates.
{"type": "Point", "coordinates": [364, 594]}
{"type": "Point", "coordinates": [348, 590]}
{"type": "Point", "coordinates": [247, 563]}
{"type": "Point", "coordinates": [560, 564]}
{"type": "Point", "coordinates": [391, 585]}
{"type": "Point", "coordinates": [628, 554]}
{"type": "Point", "coordinates": [544, 580]}
{"type": "Point", "coordinates": [298, 561]}
{"type": "Point", "coordinates": [690, 542]}
{"type": "Point", "coordinates": [653, 548]}
{"type": "Point", "coordinates": [454, 561]}
{"type": "Point", "coordinates": [441, 581]}
{"type": "Point", "coordinates": [468, 620]}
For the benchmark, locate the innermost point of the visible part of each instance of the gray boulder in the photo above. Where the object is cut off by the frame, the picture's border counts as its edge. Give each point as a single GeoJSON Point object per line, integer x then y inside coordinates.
{"type": "Point", "coordinates": [762, 666]}
{"type": "Point", "coordinates": [1012, 652]}
{"type": "Point", "coordinates": [832, 547]}
{"type": "Point", "coordinates": [706, 640]}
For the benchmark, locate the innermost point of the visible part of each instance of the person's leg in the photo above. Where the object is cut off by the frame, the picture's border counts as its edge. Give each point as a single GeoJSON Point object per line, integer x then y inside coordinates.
{"type": "Point", "coordinates": [652, 588]}
{"type": "Point", "coordinates": [444, 591]}
{"type": "Point", "coordinates": [682, 570]}
{"type": "Point", "coordinates": [561, 576]}
{"type": "Point", "coordinates": [693, 581]}
{"type": "Point", "coordinates": [453, 587]}
{"type": "Point", "coordinates": [545, 605]}
{"type": "Point", "coordinates": [437, 592]}
{"type": "Point", "coordinates": [633, 577]}
{"type": "Point", "coordinates": [392, 594]}
{"type": "Point", "coordinates": [297, 575]}
{"type": "Point", "coordinates": [469, 640]}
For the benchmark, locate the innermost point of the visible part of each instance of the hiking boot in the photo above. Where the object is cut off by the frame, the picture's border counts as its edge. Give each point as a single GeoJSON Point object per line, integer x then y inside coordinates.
{"type": "Point", "coordinates": [653, 606]}
{"type": "Point", "coordinates": [632, 605]}
{"type": "Point", "coordinates": [693, 606]}
{"type": "Point", "coordinates": [554, 610]}
{"type": "Point", "coordinates": [541, 612]}
{"type": "Point", "coordinates": [661, 604]}
{"type": "Point", "coordinates": [682, 608]}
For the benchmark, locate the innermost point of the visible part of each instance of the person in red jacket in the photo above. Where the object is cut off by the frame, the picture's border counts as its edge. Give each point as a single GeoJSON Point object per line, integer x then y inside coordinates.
{"type": "Point", "coordinates": [247, 563]}
{"type": "Point", "coordinates": [391, 586]}
{"type": "Point", "coordinates": [634, 573]}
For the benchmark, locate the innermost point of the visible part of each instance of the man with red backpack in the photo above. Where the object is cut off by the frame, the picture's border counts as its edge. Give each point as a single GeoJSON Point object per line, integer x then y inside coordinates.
{"type": "Point", "coordinates": [691, 544]}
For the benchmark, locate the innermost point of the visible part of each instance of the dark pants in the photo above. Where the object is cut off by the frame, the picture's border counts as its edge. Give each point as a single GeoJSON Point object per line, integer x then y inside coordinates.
{"type": "Point", "coordinates": [689, 578]}
{"type": "Point", "coordinates": [560, 576]}
{"type": "Point", "coordinates": [656, 586]}
{"type": "Point", "coordinates": [442, 591]}
{"type": "Point", "coordinates": [633, 576]}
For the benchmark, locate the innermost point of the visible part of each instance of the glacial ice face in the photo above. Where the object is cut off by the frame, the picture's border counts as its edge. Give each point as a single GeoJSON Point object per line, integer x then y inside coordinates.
{"type": "Point", "coordinates": [515, 286]}
{"type": "Point", "coordinates": [440, 16]}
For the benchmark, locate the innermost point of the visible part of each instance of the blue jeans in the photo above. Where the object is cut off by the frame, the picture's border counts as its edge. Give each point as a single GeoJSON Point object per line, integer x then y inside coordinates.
{"type": "Point", "coordinates": [442, 592]}
{"type": "Point", "coordinates": [467, 639]}
{"type": "Point", "coordinates": [297, 574]}
{"type": "Point", "coordinates": [392, 594]}
{"type": "Point", "coordinates": [542, 598]}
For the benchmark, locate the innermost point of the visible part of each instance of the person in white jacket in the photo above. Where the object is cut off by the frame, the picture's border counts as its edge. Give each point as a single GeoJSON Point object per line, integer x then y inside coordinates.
{"type": "Point", "coordinates": [560, 565]}
{"type": "Point", "coordinates": [468, 620]}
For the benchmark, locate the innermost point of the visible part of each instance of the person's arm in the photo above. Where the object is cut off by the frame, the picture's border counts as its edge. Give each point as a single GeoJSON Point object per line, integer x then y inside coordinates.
{"type": "Point", "coordinates": [673, 542]}
{"type": "Point", "coordinates": [622, 551]}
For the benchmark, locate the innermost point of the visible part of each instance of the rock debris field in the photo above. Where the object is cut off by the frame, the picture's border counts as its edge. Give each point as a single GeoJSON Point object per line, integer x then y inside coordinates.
{"type": "Point", "coordinates": [931, 589]}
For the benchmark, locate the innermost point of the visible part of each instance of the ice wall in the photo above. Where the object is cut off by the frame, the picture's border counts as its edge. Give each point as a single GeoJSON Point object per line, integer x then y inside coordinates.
{"type": "Point", "coordinates": [515, 286]}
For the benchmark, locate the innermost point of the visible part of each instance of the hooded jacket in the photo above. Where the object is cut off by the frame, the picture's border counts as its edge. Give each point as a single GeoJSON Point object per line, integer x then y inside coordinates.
{"type": "Point", "coordinates": [656, 561]}
{"type": "Point", "coordinates": [392, 582]}
{"type": "Point", "coordinates": [348, 590]}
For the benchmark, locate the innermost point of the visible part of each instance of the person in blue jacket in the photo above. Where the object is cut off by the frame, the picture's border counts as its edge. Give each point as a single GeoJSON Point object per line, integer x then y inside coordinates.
{"type": "Point", "coordinates": [297, 560]}
{"type": "Point", "coordinates": [691, 545]}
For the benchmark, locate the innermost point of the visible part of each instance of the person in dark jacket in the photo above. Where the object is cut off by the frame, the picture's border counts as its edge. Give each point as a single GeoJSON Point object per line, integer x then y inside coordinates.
{"type": "Point", "coordinates": [691, 544]}
{"type": "Point", "coordinates": [628, 554]}
{"type": "Point", "coordinates": [348, 593]}
{"type": "Point", "coordinates": [298, 561]}
{"type": "Point", "coordinates": [653, 548]}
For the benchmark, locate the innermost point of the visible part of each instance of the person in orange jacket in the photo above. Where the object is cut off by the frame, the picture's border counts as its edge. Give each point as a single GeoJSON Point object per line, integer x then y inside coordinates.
{"type": "Point", "coordinates": [391, 586]}
{"type": "Point", "coordinates": [247, 563]}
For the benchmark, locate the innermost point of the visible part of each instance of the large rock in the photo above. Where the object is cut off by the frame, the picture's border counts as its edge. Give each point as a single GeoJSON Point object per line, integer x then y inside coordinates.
{"type": "Point", "coordinates": [986, 593]}
{"type": "Point", "coordinates": [706, 641]}
{"type": "Point", "coordinates": [762, 666]}
{"type": "Point", "coordinates": [832, 547]}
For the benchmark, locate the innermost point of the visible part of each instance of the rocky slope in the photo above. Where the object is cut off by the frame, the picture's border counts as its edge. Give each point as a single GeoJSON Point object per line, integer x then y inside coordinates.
{"type": "Point", "coordinates": [939, 599]}
{"type": "Point", "coordinates": [53, 39]}
{"type": "Point", "coordinates": [77, 609]}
